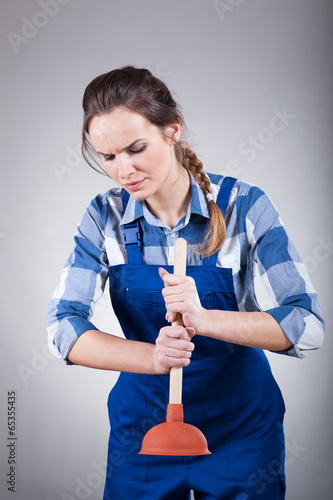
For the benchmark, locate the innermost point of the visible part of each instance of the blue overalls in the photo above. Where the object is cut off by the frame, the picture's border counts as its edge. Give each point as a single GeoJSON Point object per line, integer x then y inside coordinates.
{"type": "Point", "coordinates": [228, 392]}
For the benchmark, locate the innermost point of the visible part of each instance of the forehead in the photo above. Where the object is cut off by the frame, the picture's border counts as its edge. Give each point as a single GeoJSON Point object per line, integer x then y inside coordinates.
{"type": "Point", "coordinates": [118, 128]}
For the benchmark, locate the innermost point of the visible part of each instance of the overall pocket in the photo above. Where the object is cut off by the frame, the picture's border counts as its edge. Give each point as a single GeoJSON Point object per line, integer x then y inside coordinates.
{"type": "Point", "coordinates": [147, 311]}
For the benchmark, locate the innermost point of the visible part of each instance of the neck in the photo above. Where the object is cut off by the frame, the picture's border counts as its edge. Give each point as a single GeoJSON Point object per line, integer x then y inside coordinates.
{"type": "Point", "coordinates": [171, 203]}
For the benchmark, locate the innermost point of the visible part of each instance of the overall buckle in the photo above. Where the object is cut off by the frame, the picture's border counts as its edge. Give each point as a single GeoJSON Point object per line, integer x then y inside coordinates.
{"type": "Point", "coordinates": [132, 235]}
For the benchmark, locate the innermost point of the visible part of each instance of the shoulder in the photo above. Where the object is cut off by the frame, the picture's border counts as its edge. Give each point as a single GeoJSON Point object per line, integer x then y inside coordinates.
{"type": "Point", "coordinates": [102, 216]}
{"type": "Point", "coordinates": [107, 204]}
{"type": "Point", "coordinates": [248, 203]}
{"type": "Point", "coordinates": [243, 191]}
{"type": "Point", "coordinates": [111, 198]}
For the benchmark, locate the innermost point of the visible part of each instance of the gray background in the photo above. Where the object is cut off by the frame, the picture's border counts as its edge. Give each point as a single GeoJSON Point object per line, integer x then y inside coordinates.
{"type": "Point", "coordinates": [230, 67]}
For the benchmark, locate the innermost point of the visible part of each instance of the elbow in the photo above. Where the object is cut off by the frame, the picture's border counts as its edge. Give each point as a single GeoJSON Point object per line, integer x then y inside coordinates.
{"type": "Point", "coordinates": [51, 334]}
{"type": "Point", "coordinates": [318, 339]}
{"type": "Point", "coordinates": [314, 333]}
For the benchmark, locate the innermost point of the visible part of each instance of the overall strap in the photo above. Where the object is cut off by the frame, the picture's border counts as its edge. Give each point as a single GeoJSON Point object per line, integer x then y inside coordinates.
{"type": "Point", "coordinates": [224, 193]}
{"type": "Point", "coordinates": [222, 202]}
{"type": "Point", "coordinates": [132, 236]}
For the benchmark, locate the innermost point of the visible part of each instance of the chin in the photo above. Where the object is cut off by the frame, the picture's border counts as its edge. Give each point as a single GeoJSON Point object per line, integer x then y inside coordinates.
{"type": "Point", "coordinates": [138, 196]}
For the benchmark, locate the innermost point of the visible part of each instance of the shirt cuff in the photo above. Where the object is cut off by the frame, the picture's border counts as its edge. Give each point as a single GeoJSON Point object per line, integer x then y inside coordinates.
{"type": "Point", "coordinates": [293, 326]}
{"type": "Point", "coordinates": [69, 331]}
{"type": "Point", "coordinates": [294, 352]}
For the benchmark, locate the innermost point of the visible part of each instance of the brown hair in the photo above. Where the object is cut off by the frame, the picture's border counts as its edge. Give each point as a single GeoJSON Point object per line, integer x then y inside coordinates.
{"type": "Point", "coordinates": [139, 91]}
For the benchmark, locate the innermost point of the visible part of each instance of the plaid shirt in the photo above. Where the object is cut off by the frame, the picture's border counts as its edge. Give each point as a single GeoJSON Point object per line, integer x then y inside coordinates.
{"type": "Point", "coordinates": [267, 271]}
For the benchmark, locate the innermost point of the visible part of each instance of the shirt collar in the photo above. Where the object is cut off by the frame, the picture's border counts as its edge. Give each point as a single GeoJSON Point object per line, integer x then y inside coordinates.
{"type": "Point", "coordinates": [198, 205]}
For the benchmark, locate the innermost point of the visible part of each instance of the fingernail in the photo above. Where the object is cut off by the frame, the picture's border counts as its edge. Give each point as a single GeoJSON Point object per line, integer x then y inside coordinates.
{"type": "Point", "coordinates": [190, 329]}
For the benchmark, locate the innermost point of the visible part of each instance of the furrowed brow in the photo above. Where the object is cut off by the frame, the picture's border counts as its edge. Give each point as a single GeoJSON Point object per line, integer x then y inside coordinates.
{"type": "Point", "coordinates": [124, 149]}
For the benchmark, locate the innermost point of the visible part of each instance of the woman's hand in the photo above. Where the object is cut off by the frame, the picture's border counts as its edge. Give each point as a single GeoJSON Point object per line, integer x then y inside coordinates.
{"type": "Point", "coordinates": [180, 295]}
{"type": "Point", "coordinates": [173, 348]}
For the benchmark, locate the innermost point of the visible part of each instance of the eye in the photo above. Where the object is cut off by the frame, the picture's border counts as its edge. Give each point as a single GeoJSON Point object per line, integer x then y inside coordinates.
{"type": "Point", "coordinates": [109, 158]}
{"type": "Point", "coordinates": [131, 151]}
{"type": "Point", "coordinates": [136, 151]}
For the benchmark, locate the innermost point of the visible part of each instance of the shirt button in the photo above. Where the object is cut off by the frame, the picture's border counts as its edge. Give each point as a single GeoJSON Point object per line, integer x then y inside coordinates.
{"type": "Point", "coordinates": [172, 235]}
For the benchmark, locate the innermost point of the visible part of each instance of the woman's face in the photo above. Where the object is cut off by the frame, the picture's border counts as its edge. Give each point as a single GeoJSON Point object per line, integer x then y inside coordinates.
{"type": "Point", "coordinates": [135, 153]}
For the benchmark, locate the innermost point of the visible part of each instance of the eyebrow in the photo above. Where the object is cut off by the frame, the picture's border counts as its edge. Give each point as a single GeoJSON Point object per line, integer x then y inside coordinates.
{"type": "Point", "coordinates": [125, 148]}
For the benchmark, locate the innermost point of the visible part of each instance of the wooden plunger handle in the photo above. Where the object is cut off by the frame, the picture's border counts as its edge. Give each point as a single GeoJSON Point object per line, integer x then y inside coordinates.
{"type": "Point", "coordinates": [176, 372]}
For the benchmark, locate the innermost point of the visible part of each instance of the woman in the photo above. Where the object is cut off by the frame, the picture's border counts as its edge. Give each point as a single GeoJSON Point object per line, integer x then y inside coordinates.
{"type": "Point", "coordinates": [238, 246]}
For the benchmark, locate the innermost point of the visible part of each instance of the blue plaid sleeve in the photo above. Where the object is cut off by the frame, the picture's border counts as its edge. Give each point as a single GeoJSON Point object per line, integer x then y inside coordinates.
{"type": "Point", "coordinates": [82, 282]}
{"type": "Point", "coordinates": [280, 283]}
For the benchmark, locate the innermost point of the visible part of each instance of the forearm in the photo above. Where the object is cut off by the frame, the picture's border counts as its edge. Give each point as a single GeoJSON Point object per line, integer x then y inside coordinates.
{"type": "Point", "coordinates": [96, 349]}
{"type": "Point", "coordinates": [252, 329]}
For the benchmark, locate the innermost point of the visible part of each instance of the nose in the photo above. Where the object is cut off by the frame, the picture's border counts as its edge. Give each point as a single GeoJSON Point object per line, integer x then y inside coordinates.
{"type": "Point", "coordinates": [125, 167]}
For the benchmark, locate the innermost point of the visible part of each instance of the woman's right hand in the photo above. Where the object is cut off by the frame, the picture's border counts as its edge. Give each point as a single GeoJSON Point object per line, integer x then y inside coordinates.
{"type": "Point", "coordinates": [173, 348]}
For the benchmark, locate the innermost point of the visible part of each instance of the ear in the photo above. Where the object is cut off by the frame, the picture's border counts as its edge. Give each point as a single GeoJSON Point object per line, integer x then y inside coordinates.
{"type": "Point", "coordinates": [173, 132]}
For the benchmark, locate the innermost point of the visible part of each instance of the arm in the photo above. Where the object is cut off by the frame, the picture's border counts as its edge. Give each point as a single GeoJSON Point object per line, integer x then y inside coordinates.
{"type": "Point", "coordinates": [71, 334]}
{"type": "Point", "coordinates": [101, 350]}
{"type": "Point", "coordinates": [97, 349]}
{"type": "Point", "coordinates": [81, 285]}
{"type": "Point", "coordinates": [252, 329]}
{"type": "Point", "coordinates": [282, 311]}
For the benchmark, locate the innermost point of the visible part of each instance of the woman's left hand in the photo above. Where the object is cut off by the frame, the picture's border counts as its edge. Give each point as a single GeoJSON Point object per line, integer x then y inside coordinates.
{"type": "Point", "coordinates": [180, 295]}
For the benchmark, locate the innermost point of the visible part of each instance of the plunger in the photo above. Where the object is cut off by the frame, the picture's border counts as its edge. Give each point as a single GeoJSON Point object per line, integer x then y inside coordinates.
{"type": "Point", "coordinates": [174, 437]}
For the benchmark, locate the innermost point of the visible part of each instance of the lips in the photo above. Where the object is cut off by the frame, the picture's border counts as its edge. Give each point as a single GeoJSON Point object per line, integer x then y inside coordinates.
{"type": "Point", "coordinates": [131, 186]}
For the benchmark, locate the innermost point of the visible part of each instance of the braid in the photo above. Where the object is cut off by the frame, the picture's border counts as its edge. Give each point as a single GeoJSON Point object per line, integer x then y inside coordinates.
{"type": "Point", "coordinates": [192, 163]}
{"type": "Point", "coordinates": [216, 230]}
